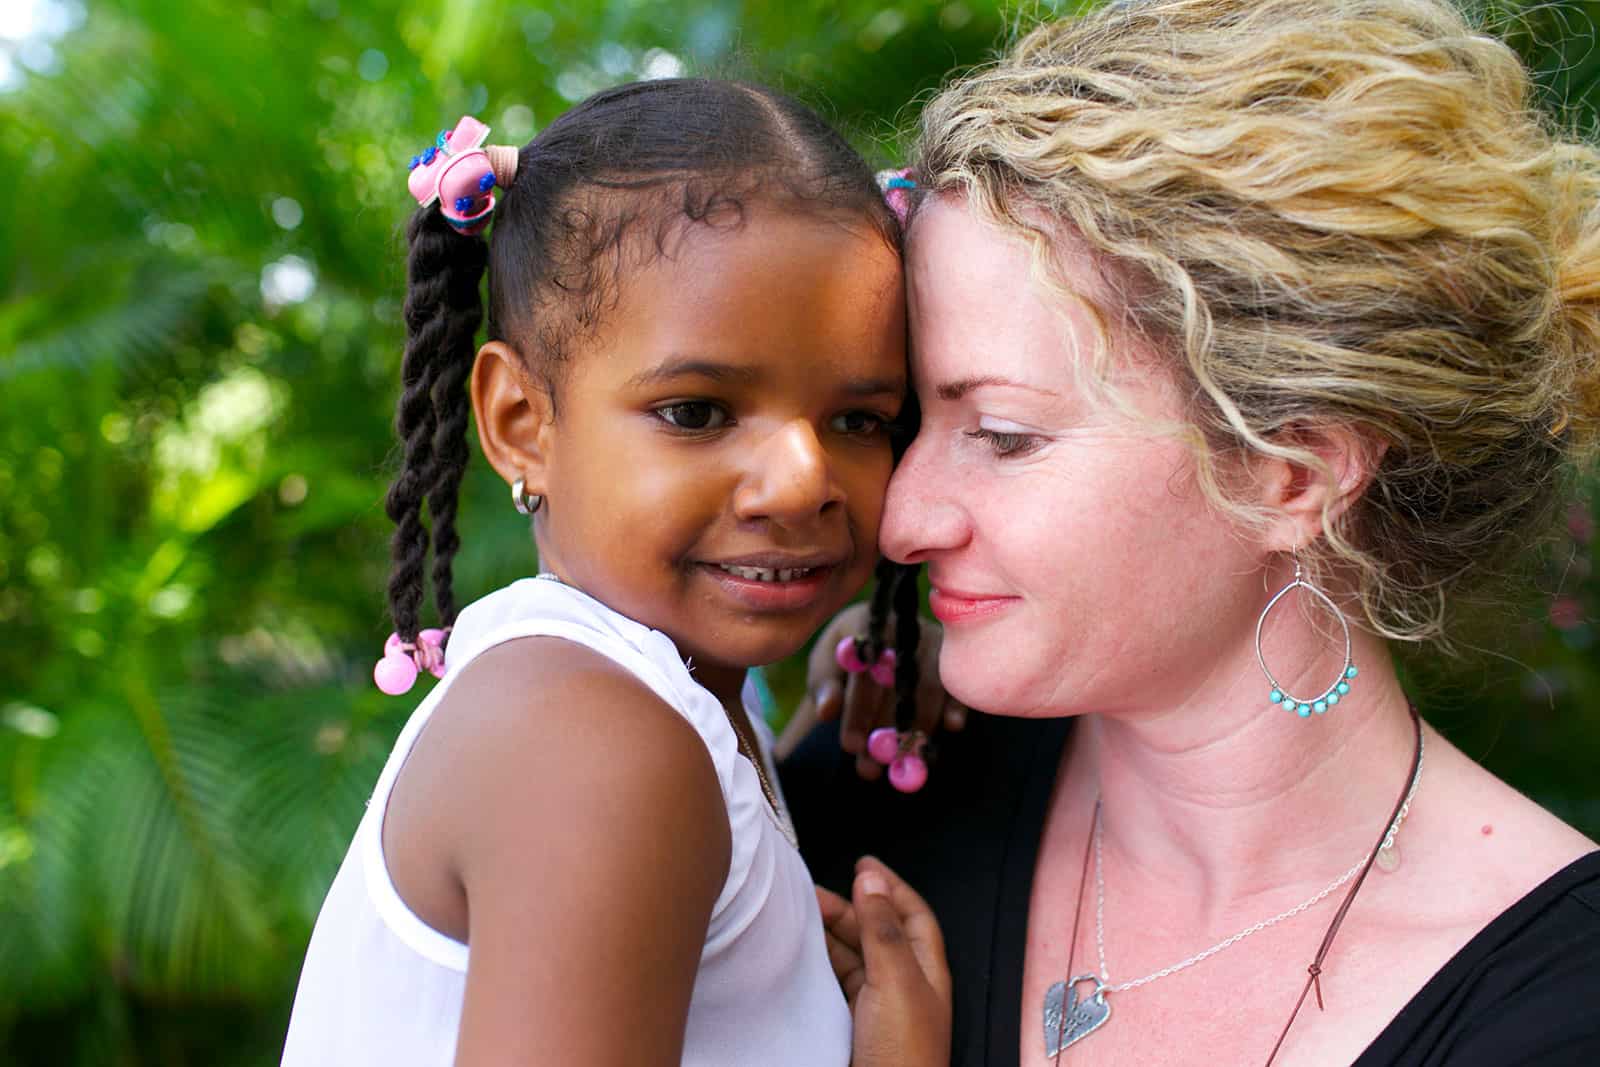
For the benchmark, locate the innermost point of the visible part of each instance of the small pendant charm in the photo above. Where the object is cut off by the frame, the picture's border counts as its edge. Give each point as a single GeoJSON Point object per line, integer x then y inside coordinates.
{"type": "Point", "coordinates": [1388, 860]}
{"type": "Point", "coordinates": [1067, 1018]}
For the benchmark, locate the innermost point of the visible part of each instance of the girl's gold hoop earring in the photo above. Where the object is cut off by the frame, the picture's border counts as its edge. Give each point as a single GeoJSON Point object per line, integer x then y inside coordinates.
{"type": "Point", "coordinates": [1305, 707]}
{"type": "Point", "coordinates": [525, 502]}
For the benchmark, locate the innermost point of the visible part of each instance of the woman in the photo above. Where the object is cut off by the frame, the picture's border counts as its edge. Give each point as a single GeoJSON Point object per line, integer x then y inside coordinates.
{"type": "Point", "coordinates": [1247, 334]}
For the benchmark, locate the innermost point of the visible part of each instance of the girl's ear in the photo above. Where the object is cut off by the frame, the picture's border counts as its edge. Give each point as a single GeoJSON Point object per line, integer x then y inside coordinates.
{"type": "Point", "coordinates": [1300, 493]}
{"type": "Point", "coordinates": [515, 416]}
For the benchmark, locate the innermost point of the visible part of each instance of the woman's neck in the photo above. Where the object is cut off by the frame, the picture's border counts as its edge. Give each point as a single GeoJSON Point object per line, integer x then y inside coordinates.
{"type": "Point", "coordinates": [1236, 798]}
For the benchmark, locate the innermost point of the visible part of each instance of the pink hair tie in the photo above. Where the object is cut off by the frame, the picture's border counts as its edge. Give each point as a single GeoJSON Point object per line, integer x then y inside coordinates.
{"type": "Point", "coordinates": [902, 753]}
{"type": "Point", "coordinates": [459, 171]}
{"type": "Point", "coordinates": [402, 661]}
{"type": "Point", "coordinates": [896, 186]}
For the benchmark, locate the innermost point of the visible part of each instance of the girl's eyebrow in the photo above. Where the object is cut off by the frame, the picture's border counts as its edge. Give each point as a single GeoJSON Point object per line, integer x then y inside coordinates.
{"type": "Point", "coordinates": [876, 387]}
{"type": "Point", "coordinates": [962, 386]}
{"type": "Point", "coordinates": [677, 367]}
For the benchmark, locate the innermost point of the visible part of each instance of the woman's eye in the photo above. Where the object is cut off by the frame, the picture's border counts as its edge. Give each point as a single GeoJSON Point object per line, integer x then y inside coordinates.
{"type": "Point", "coordinates": [1005, 444]}
{"type": "Point", "coordinates": [857, 423]}
{"type": "Point", "coordinates": [693, 415]}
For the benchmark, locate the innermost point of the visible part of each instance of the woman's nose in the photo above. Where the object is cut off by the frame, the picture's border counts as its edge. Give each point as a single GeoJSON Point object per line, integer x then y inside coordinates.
{"type": "Point", "coordinates": [789, 478]}
{"type": "Point", "coordinates": [923, 514]}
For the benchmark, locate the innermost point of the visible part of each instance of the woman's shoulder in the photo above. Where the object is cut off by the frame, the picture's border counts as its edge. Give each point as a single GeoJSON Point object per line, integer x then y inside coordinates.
{"type": "Point", "coordinates": [1517, 891]}
{"type": "Point", "coordinates": [1492, 838]}
{"type": "Point", "coordinates": [1522, 990]}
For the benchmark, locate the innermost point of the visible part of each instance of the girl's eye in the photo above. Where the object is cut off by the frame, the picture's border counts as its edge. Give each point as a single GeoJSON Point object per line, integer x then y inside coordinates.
{"type": "Point", "coordinates": [857, 423]}
{"type": "Point", "coordinates": [1004, 445]}
{"type": "Point", "coordinates": [693, 415]}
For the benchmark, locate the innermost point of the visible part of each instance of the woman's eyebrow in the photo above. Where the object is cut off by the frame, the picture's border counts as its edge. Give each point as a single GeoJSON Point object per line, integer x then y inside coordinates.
{"type": "Point", "coordinates": [955, 390]}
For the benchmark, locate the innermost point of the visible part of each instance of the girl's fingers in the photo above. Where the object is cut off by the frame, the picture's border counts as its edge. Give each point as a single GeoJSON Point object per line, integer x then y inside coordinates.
{"type": "Point", "coordinates": [847, 967]}
{"type": "Point", "coordinates": [885, 945]}
{"type": "Point", "coordinates": [827, 698]}
{"type": "Point", "coordinates": [955, 715]}
{"type": "Point", "coordinates": [839, 917]}
{"type": "Point", "coordinates": [864, 703]}
{"type": "Point", "coordinates": [843, 936]}
{"type": "Point", "coordinates": [868, 769]}
{"type": "Point", "coordinates": [897, 928]}
{"type": "Point", "coordinates": [824, 676]}
{"type": "Point", "coordinates": [834, 908]}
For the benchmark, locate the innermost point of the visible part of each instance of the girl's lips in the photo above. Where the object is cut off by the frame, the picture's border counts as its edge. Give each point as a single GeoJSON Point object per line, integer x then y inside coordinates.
{"type": "Point", "coordinates": [951, 607]}
{"type": "Point", "coordinates": [756, 595]}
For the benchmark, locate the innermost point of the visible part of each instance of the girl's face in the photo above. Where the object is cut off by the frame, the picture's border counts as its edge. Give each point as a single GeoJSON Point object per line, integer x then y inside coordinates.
{"type": "Point", "coordinates": [1074, 563]}
{"type": "Point", "coordinates": [718, 455]}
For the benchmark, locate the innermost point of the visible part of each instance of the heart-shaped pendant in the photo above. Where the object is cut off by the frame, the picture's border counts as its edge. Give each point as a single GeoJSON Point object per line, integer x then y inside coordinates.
{"type": "Point", "coordinates": [1068, 1018]}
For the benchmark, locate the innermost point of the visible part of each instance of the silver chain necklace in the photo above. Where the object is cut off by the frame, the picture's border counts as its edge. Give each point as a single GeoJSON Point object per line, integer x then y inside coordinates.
{"type": "Point", "coordinates": [1069, 1018]}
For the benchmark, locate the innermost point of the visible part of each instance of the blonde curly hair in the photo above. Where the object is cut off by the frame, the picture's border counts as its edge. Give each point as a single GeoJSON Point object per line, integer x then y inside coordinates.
{"type": "Point", "coordinates": [1326, 212]}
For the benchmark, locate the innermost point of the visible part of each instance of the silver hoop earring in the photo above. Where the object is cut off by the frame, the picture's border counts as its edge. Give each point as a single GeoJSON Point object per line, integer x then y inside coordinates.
{"type": "Point", "coordinates": [525, 502]}
{"type": "Point", "coordinates": [1280, 696]}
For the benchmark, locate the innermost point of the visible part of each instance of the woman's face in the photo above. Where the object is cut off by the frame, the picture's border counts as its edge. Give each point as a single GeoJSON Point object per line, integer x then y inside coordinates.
{"type": "Point", "coordinates": [1075, 564]}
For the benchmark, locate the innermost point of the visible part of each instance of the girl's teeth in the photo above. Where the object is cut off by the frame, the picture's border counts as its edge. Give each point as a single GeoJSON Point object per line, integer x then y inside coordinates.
{"type": "Point", "coordinates": [764, 574]}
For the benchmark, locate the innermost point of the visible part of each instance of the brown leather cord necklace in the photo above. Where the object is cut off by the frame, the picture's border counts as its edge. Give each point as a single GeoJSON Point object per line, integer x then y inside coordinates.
{"type": "Point", "coordinates": [1069, 1018]}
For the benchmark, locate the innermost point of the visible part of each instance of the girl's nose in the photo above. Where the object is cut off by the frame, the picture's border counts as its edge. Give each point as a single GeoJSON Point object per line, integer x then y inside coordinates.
{"type": "Point", "coordinates": [923, 514]}
{"type": "Point", "coordinates": [789, 478]}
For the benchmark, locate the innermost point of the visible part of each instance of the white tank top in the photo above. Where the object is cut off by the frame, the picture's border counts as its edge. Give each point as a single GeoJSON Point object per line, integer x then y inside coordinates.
{"type": "Point", "coordinates": [380, 987]}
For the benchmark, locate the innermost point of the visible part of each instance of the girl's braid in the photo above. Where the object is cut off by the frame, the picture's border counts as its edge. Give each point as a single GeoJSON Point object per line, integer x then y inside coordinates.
{"type": "Point", "coordinates": [907, 636]}
{"type": "Point", "coordinates": [450, 407]}
{"type": "Point", "coordinates": [440, 322]}
{"type": "Point", "coordinates": [883, 583]}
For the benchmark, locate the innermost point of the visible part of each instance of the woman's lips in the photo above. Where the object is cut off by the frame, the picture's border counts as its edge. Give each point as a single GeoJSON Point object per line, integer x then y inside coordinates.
{"type": "Point", "coordinates": [951, 607]}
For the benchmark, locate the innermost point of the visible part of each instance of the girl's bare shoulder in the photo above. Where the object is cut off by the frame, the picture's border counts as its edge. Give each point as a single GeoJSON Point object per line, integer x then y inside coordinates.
{"type": "Point", "coordinates": [544, 755]}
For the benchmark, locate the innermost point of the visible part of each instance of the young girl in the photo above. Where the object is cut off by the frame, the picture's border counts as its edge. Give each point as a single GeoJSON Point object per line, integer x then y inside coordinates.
{"type": "Point", "coordinates": [698, 345]}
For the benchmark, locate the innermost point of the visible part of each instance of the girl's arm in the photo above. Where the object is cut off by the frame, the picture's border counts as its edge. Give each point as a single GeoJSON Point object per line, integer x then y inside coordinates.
{"type": "Point", "coordinates": [591, 842]}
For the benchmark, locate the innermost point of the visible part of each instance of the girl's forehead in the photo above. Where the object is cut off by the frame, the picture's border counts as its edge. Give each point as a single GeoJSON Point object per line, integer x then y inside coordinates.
{"type": "Point", "coordinates": [780, 289]}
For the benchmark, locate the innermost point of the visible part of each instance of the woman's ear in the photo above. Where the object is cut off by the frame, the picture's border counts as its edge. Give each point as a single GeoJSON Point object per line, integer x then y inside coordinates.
{"type": "Point", "coordinates": [515, 416]}
{"type": "Point", "coordinates": [1343, 463]}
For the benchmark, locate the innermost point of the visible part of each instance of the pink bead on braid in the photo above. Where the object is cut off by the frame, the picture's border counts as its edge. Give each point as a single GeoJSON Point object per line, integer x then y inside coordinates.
{"type": "Point", "coordinates": [902, 753]}
{"type": "Point", "coordinates": [397, 671]}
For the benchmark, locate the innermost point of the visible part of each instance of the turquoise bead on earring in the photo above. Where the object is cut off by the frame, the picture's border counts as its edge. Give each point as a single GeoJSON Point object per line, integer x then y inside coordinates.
{"type": "Point", "coordinates": [1318, 705]}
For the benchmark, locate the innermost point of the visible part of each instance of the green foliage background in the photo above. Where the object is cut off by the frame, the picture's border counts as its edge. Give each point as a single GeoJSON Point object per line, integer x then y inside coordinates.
{"type": "Point", "coordinates": [200, 275]}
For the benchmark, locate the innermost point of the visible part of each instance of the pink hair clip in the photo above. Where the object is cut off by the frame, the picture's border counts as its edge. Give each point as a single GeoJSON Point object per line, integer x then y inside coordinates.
{"type": "Point", "coordinates": [896, 186]}
{"type": "Point", "coordinates": [402, 661]}
{"type": "Point", "coordinates": [459, 171]}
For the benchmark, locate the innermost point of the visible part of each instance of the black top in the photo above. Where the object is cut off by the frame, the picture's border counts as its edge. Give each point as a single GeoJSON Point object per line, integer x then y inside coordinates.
{"type": "Point", "coordinates": [1525, 990]}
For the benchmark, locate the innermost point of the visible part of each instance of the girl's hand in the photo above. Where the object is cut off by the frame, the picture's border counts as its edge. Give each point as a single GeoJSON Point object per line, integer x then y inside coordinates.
{"type": "Point", "coordinates": [888, 953]}
{"type": "Point", "coordinates": [861, 704]}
